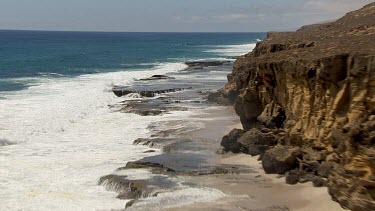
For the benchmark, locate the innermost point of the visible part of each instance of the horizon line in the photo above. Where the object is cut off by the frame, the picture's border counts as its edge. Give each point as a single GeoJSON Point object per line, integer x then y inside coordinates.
{"type": "Point", "coordinates": [93, 31]}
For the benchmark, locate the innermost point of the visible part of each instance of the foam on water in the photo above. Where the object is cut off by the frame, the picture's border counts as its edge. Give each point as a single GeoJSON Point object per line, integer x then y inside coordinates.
{"type": "Point", "coordinates": [5, 142]}
{"type": "Point", "coordinates": [232, 50]}
{"type": "Point", "coordinates": [182, 196]}
{"type": "Point", "coordinates": [67, 139]}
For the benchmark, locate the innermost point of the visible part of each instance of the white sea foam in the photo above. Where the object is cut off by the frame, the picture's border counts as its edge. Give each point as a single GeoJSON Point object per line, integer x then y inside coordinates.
{"type": "Point", "coordinates": [68, 139]}
{"type": "Point", "coordinates": [5, 142]}
{"type": "Point", "coordinates": [179, 197]}
{"type": "Point", "coordinates": [232, 50]}
{"type": "Point", "coordinates": [212, 59]}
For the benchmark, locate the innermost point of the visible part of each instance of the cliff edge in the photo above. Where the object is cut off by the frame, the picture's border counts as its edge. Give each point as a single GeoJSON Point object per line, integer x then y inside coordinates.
{"type": "Point", "coordinates": [306, 102]}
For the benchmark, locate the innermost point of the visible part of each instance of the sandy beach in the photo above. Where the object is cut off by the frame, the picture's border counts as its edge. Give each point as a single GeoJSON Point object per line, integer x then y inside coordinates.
{"type": "Point", "coordinates": [256, 190]}
{"type": "Point", "coordinates": [248, 189]}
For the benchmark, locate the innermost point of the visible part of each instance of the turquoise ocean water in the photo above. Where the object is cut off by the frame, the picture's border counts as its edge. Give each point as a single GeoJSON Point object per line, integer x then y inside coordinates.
{"type": "Point", "coordinates": [58, 132]}
{"type": "Point", "coordinates": [29, 55]}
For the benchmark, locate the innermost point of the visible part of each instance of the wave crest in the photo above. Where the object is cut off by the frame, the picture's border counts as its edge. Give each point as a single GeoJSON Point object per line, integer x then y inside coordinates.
{"type": "Point", "coordinates": [232, 50]}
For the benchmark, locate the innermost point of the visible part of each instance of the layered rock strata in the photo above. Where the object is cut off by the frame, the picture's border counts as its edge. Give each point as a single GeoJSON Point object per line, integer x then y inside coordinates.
{"type": "Point", "coordinates": [311, 93]}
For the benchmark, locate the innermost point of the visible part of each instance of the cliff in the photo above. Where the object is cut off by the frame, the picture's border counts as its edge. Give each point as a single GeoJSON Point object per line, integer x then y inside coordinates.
{"type": "Point", "coordinates": [312, 93]}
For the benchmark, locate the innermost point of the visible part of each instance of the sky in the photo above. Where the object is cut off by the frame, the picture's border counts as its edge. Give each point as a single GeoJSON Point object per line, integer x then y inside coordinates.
{"type": "Point", "coordinates": [171, 15]}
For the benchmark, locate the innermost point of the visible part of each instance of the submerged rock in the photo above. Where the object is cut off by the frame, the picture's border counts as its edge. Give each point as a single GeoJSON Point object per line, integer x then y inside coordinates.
{"type": "Point", "coordinates": [120, 91]}
{"type": "Point", "coordinates": [151, 107]}
{"type": "Point", "coordinates": [136, 189]}
{"type": "Point", "coordinates": [127, 189]}
{"type": "Point", "coordinates": [183, 164]}
{"type": "Point", "coordinates": [202, 64]}
{"type": "Point", "coordinates": [157, 77]}
{"type": "Point", "coordinates": [165, 144]}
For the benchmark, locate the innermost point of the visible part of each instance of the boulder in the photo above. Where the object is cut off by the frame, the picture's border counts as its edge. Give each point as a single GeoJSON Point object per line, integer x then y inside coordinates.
{"type": "Point", "coordinates": [292, 177]}
{"type": "Point", "coordinates": [230, 141]}
{"type": "Point", "coordinates": [255, 142]}
{"type": "Point", "coordinates": [280, 159]}
{"type": "Point", "coordinates": [325, 168]}
{"type": "Point", "coordinates": [218, 98]}
{"type": "Point", "coordinates": [297, 176]}
{"type": "Point", "coordinates": [318, 181]}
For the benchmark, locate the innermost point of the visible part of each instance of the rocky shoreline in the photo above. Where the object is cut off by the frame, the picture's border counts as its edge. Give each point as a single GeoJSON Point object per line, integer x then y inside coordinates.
{"type": "Point", "coordinates": [183, 153]}
{"type": "Point", "coordinates": [306, 102]}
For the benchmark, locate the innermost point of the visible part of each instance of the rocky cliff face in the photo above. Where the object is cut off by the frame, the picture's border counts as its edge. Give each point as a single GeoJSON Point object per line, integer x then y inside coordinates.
{"type": "Point", "coordinates": [316, 86]}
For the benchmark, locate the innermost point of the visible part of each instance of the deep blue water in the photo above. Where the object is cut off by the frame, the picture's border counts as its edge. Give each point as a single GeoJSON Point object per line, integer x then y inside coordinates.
{"type": "Point", "coordinates": [33, 54]}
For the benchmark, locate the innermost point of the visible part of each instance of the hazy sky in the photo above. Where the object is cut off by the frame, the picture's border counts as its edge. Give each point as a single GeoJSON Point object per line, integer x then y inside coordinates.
{"type": "Point", "coordinates": [170, 15]}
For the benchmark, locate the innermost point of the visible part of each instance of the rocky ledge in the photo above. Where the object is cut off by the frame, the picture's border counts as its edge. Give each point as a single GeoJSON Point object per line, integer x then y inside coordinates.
{"type": "Point", "coordinates": [306, 103]}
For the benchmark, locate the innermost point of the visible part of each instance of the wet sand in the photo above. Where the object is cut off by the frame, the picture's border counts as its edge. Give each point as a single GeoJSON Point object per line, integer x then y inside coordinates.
{"type": "Point", "coordinates": [251, 191]}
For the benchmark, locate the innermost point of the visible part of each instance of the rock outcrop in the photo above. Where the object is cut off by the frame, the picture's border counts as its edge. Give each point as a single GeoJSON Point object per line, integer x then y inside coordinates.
{"type": "Point", "coordinates": [317, 85]}
{"type": "Point", "coordinates": [120, 91]}
{"type": "Point", "coordinates": [198, 65]}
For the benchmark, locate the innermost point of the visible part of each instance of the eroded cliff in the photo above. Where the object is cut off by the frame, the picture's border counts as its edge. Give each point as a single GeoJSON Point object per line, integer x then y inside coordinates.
{"type": "Point", "coordinates": [313, 90]}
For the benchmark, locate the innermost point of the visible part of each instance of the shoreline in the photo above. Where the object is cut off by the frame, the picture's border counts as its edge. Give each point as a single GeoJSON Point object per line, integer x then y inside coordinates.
{"type": "Point", "coordinates": [189, 156]}
{"type": "Point", "coordinates": [258, 190]}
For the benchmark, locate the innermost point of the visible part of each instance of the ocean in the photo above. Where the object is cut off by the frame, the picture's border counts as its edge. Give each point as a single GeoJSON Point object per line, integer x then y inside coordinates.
{"type": "Point", "coordinates": [58, 135]}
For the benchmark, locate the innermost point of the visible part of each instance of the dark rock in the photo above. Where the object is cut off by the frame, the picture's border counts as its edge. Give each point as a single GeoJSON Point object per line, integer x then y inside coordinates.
{"type": "Point", "coordinates": [182, 164]}
{"type": "Point", "coordinates": [208, 170]}
{"type": "Point", "coordinates": [257, 137]}
{"type": "Point", "coordinates": [218, 98]}
{"type": "Point", "coordinates": [309, 154]}
{"type": "Point", "coordinates": [295, 176]}
{"type": "Point", "coordinates": [156, 77]}
{"type": "Point", "coordinates": [202, 64]}
{"type": "Point", "coordinates": [127, 189]}
{"type": "Point", "coordinates": [165, 144]}
{"type": "Point", "coordinates": [280, 159]}
{"type": "Point", "coordinates": [120, 91]}
{"type": "Point", "coordinates": [156, 167]}
{"type": "Point", "coordinates": [325, 168]}
{"type": "Point", "coordinates": [135, 189]}
{"type": "Point", "coordinates": [149, 151]}
{"type": "Point", "coordinates": [306, 176]}
{"type": "Point", "coordinates": [230, 141]}
{"type": "Point", "coordinates": [318, 182]}
{"type": "Point", "coordinates": [255, 142]}
{"type": "Point", "coordinates": [292, 177]}
{"type": "Point", "coordinates": [272, 115]}
{"type": "Point", "coordinates": [150, 107]}
{"type": "Point", "coordinates": [248, 107]}
{"type": "Point", "coordinates": [164, 133]}
{"type": "Point", "coordinates": [129, 203]}
{"type": "Point", "coordinates": [255, 150]}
